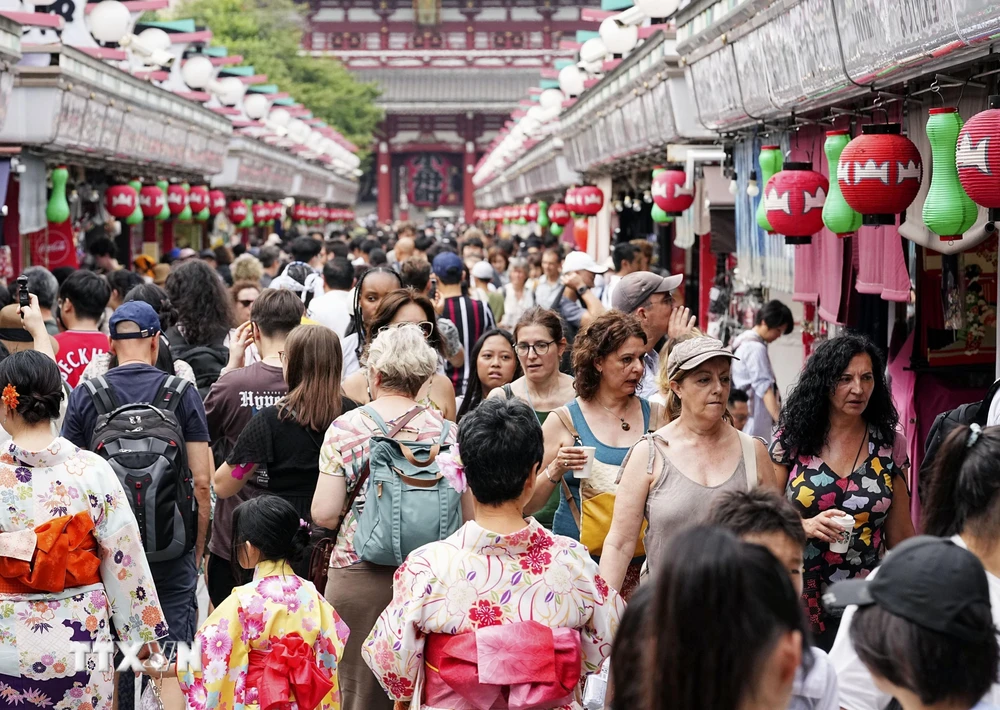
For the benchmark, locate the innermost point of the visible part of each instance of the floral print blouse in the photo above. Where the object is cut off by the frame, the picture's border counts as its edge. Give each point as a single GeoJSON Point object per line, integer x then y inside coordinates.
{"type": "Point", "coordinates": [275, 603]}
{"type": "Point", "coordinates": [38, 667]}
{"type": "Point", "coordinates": [477, 578]}
{"type": "Point", "coordinates": [866, 494]}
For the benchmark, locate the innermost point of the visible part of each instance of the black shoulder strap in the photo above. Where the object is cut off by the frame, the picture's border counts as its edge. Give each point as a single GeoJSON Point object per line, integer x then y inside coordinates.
{"type": "Point", "coordinates": [104, 398]}
{"type": "Point", "coordinates": [984, 408]}
{"type": "Point", "coordinates": [171, 391]}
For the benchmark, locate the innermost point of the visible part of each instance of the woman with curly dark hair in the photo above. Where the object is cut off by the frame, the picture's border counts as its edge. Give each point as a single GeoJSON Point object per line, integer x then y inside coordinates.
{"type": "Point", "coordinates": [204, 314]}
{"type": "Point", "coordinates": [607, 362]}
{"type": "Point", "coordinates": [844, 466]}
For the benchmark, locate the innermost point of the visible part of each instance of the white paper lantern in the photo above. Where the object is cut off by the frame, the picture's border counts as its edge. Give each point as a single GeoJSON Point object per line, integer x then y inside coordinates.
{"type": "Point", "coordinates": [315, 141]}
{"type": "Point", "coordinates": [657, 8]}
{"type": "Point", "coordinates": [551, 98]}
{"type": "Point", "coordinates": [593, 50]}
{"type": "Point", "coordinates": [571, 80]}
{"type": "Point", "coordinates": [255, 106]}
{"type": "Point", "coordinates": [617, 38]}
{"type": "Point", "coordinates": [298, 131]}
{"type": "Point", "coordinates": [231, 90]}
{"type": "Point", "coordinates": [197, 72]}
{"type": "Point", "coordinates": [155, 39]}
{"type": "Point", "coordinates": [279, 117]}
{"type": "Point", "coordinates": [109, 21]}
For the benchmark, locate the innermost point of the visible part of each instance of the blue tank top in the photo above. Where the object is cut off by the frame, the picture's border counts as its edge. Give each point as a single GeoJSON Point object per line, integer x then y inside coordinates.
{"type": "Point", "coordinates": [563, 522]}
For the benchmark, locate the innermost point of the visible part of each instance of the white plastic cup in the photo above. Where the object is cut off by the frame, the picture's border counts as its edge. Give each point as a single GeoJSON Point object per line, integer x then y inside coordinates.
{"type": "Point", "coordinates": [847, 523]}
{"type": "Point", "coordinates": [591, 452]}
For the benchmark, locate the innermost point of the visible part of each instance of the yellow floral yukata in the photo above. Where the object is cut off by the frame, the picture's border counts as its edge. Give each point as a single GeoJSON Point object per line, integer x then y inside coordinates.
{"type": "Point", "coordinates": [274, 604]}
{"type": "Point", "coordinates": [476, 579]}
{"type": "Point", "coordinates": [37, 630]}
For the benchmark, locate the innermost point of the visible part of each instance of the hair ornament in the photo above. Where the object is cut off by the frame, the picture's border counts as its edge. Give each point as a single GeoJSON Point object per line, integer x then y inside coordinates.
{"type": "Point", "coordinates": [452, 468]}
{"type": "Point", "coordinates": [303, 523]}
{"type": "Point", "coordinates": [10, 396]}
{"type": "Point", "coordinates": [975, 431]}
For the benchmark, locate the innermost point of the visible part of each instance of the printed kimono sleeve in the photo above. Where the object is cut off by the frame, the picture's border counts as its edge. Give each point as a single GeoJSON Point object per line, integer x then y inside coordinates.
{"type": "Point", "coordinates": [331, 639]}
{"type": "Point", "coordinates": [224, 659]}
{"type": "Point", "coordinates": [125, 573]}
{"type": "Point", "coordinates": [599, 632]}
{"type": "Point", "coordinates": [394, 649]}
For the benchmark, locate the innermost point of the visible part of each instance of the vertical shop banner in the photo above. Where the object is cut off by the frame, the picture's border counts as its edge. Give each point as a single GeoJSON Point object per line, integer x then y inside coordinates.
{"type": "Point", "coordinates": [54, 247]}
{"type": "Point", "coordinates": [433, 180]}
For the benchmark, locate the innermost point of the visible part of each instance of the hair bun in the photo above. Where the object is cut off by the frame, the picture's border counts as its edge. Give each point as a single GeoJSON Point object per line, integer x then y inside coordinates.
{"type": "Point", "coordinates": [298, 546]}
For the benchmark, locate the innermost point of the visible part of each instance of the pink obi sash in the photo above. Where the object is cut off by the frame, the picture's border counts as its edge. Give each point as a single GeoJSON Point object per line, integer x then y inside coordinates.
{"type": "Point", "coordinates": [520, 666]}
{"type": "Point", "coordinates": [289, 666]}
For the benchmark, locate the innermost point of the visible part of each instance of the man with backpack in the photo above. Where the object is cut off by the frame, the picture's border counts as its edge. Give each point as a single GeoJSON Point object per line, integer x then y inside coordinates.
{"type": "Point", "coordinates": [151, 427]}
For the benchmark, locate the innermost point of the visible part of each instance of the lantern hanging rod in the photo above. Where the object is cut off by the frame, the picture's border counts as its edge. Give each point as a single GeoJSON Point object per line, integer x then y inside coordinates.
{"type": "Point", "coordinates": [981, 75]}
{"type": "Point", "coordinates": [959, 82]}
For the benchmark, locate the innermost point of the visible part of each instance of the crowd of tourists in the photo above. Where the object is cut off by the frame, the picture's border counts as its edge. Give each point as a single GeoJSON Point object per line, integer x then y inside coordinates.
{"type": "Point", "coordinates": [438, 473]}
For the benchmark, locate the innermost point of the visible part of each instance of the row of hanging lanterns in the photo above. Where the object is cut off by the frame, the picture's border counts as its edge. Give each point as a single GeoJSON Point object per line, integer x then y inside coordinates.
{"type": "Point", "coordinates": [134, 202]}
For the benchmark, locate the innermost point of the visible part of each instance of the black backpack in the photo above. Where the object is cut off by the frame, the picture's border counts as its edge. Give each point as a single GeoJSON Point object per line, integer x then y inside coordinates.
{"type": "Point", "coordinates": [207, 361]}
{"type": "Point", "coordinates": [944, 423]}
{"type": "Point", "coordinates": [144, 443]}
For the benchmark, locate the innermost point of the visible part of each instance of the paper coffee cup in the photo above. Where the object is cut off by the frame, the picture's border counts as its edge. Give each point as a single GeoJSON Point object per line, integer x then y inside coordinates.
{"type": "Point", "coordinates": [847, 523]}
{"type": "Point", "coordinates": [590, 451]}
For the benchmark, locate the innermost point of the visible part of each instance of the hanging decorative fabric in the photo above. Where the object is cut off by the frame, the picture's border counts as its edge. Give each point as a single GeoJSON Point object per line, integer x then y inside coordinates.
{"type": "Point", "coordinates": [771, 161]}
{"type": "Point", "coordinates": [978, 158]}
{"type": "Point", "coordinates": [793, 200]}
{"type": "Point", "coordinates": [880, 173]}
{"type": "Point", "coordinates": [838, 216]}
{"type": "Point", "coordinates": [57, 209]}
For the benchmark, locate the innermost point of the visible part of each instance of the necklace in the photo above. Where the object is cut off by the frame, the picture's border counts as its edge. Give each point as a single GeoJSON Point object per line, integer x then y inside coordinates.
{"type": "Point", "coordinates": [625, 425]}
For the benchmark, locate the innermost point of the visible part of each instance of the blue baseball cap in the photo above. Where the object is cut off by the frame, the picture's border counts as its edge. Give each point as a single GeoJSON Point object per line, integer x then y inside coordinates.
{"type": "Point", "coordinates": [448, 267]}
{"type": "Point", "coordinates": [138, 312]}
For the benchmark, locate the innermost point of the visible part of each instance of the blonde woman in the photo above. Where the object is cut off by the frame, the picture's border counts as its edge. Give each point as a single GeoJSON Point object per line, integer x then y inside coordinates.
{"type": "Point", "coordinates": [696, 458]}
{"type": "Point", "coordinates": [399, 362]}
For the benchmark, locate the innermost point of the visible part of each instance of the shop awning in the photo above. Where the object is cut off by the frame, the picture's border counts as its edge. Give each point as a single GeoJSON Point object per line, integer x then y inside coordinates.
{"type": "Point", "coordinates": [79, 109]}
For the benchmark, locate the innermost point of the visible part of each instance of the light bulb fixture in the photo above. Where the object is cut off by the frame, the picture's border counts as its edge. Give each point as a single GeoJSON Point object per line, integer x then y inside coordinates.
{"type": "Point", "coordinates": [256, 106]}
{"type": "Point", "coordinates": [733, 185]}
{"type": "Point", "coordinates": [637, 205]}
{"type": "Point", "coordinates": [752, 188]}
{"type": "Point", "coordinates": [627, 201]}
{"type": "Point", "coordinates": [618, 206]}
{"type": "Point", "coordinates": [647, 197]}
{"type": "Point", "coordinates": [197, 72]}
{"type": "Point", "coordinates": [109, 21]}
{"type": "Point", "coordinates": [151, 44]}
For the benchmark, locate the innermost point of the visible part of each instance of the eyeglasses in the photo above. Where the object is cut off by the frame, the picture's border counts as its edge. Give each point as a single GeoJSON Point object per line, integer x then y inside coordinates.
{"type": "Point", "coordinates": [246, 303]}
{"type": "Point", "coordinates": [426, 326]}
{"type": "Point", "coordinates": [540, 348]}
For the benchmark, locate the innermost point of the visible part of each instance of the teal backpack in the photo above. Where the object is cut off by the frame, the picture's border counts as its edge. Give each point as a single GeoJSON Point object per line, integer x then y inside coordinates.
{"type": "Point", "coordinates": [408, 502]}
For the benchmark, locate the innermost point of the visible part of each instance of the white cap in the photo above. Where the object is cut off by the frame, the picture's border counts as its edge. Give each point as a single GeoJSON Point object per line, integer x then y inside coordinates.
{"type": "Point", "coordinates": [581, 261]}
{"type": "Point", "coordinates": [273, 240]}
{"type": "Point", "coordinates": [483, 270]}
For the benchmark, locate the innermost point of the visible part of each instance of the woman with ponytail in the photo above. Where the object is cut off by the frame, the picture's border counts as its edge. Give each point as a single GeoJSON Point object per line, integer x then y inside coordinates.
{"type": "Point", "coordinates": [963, 504]}
{"type": "Point", "coordinates": [276, 639]}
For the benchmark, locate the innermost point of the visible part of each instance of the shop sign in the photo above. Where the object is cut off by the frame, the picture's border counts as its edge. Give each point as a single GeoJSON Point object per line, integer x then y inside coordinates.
{"type": "Point", "coordinates": [112, 128]}
{"type": "Point", "coordinates": [74, 108]}
{"type": "Point", "coordinates": [54, 247]}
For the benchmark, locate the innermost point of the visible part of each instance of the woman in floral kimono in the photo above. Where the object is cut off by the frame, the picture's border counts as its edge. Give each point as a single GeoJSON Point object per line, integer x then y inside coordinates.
{"type": "Point", "coordinates": [71, 559]}
{"type": "Point", "coordinates": [502, 593]}
{"type": "Point", "coordinates": [275, 642]}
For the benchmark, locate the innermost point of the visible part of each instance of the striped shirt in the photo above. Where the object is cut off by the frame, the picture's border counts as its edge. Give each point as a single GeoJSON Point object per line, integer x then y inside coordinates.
{"type": "Point", "coordinates": [472, 319]}
{"type": "Point", "coordinates": [345, 452]}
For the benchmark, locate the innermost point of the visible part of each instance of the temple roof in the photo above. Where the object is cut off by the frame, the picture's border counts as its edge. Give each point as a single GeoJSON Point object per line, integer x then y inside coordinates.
{"type": "Point", "coordinates": [450, 90]}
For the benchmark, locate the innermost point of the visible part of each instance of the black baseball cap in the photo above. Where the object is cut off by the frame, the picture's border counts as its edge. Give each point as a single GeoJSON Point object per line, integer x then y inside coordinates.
{"type": "Point", "coordinates": [929, 581]}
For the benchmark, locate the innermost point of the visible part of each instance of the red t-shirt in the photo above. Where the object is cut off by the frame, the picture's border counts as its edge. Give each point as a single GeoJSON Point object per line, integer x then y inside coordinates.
{"type": "Point", "coordinates": [76, 349]}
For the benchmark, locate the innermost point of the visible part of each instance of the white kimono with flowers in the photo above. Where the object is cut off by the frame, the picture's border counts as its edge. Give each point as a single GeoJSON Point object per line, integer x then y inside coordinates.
{"type": "Point", "coordinates": [478, 578]}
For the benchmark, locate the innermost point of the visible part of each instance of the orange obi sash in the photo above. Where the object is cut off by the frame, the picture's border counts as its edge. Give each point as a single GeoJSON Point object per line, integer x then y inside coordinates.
{"type": "Point", "coordinates": [288, 667]}
{"type": "Point", "coordinates": [57, 555]}
{"type": "Point", "coordinates": [520, 666]}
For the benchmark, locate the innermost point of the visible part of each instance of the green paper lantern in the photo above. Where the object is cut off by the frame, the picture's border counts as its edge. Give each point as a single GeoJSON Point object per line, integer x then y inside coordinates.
{"type": "Point", "coordinates": [659, 216]}
{"type": "Point", "coordinates": [522, 220]}
{"type": "Point", "coordinates": [57, 210]}
{"type": "Point", "coordinates": [186, 215]}
{"type": "Point", "coordinates": [136, 216]}
{"type": "Point", "coordinates": [165, 212]}
{"type": "Point", "coordinates": [203, 215]}
{"type": "Point", "coordinates": [248, 220]}
{"type": "Point", "coordinates": [771, 163]}
{"type": "Point", "coordinates": [556, 230]}
{"type": "Point", "coordinates": [838, 216]}
{"type": "Point", "coordinates": [543, 215]}
{"type": "Point", "coordinates": [948, 211]}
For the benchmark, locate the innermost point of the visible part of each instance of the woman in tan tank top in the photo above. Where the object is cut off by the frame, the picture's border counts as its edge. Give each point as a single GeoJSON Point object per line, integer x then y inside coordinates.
{"type": "Point", "coordinates": [672, 477]}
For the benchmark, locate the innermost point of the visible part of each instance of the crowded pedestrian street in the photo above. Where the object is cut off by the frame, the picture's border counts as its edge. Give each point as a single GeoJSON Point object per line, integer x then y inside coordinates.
{"type": "Point", "coordinates": [499, 355]}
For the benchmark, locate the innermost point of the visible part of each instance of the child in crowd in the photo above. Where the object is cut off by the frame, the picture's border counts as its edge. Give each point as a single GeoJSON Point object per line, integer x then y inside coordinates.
{"type": "Point", "coordinates": [764, 518]}
{"type": "Point", "coordinates": [276, 639]}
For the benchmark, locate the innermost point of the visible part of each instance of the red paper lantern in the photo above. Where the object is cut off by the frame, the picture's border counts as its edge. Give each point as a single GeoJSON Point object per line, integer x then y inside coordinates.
{"type": "Point", "coordinates": [120, 200]}
{"type": "Point", "coordinates": [572, 200]}
{"type": "Point", "coordinates": [276, 210]}
{"type": "Point", "coordinates": [260, 213]}
{"type": "Point", "coordinates": [581, 232]}
{"type": "Point", "coordinates": [590, 200]}
{"type": "Point", "coordinates": [151, 201]}
{"type": "Point", "coordinates": [198, 198]}
{"type": "Point", "coordinates": [978, 158]}
{"type": "Point", "coordinates": [496, 214]}
{"type": "Point", "coordinates": [794, 200]}
{"type": "Point", "coordinates": [216, 202]}
{"type": "Point", "coordinates": [177, 199]}
{"type": "Point", "coordinates": [533, 212]}
{"type": "Point", "coordinates": [237, 211]}
{"type": "Point", "coordinates": [670, 193]}
{"type": "Point", "coordinates": [559, 213]}
{"type": "Point", "coordinates": [349, 215]}
{"type": "Point", "coordinates": [880, 173]}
